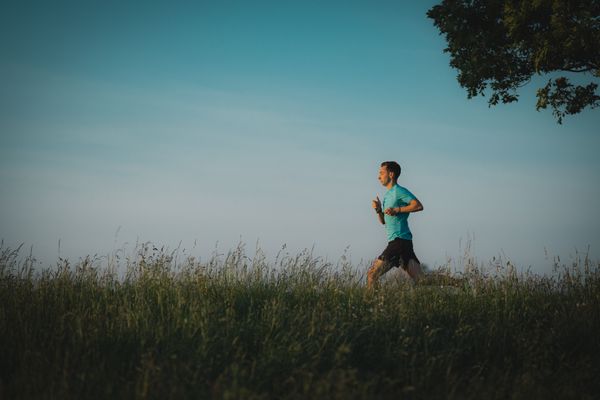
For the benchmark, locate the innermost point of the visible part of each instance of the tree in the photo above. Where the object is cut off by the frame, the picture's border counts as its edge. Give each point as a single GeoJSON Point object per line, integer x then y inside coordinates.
{"type": "Point", "coordinates": [503, 43]}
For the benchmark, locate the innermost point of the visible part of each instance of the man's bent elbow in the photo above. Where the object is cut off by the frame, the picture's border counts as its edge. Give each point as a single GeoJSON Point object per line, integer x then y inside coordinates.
{"type": "Point", "coordinates": [419, 207]}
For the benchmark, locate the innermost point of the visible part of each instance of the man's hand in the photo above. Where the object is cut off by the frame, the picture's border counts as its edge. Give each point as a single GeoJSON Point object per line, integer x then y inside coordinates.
{"type": "Point", "coordinates": [414, 206]}
{"type": "Point", "coordinates": [376, 204]}
{"type": "Point", "coordinates": [392, 211]}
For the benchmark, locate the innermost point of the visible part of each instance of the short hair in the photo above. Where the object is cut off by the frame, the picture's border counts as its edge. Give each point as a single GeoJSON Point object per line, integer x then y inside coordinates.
{"type": "Point", "coordinates": [392, 166]}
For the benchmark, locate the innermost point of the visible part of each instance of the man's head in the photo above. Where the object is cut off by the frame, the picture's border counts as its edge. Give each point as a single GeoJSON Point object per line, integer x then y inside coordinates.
{"type": "Point", "coordinates": [389, 172]}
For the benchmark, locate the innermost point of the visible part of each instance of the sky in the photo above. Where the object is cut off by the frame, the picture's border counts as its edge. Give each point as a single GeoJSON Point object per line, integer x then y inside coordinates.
{"type": "Point", "coordinates": [203, 124]}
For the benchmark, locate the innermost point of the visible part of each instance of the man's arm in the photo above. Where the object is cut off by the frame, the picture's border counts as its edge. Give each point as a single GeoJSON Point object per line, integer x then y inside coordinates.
{"type": "Point", "coordinates": [378, 210]}
{"type": "Point", "coordinates": [380, 216]}
{"type": "Point", "coordinates": [414, 206]}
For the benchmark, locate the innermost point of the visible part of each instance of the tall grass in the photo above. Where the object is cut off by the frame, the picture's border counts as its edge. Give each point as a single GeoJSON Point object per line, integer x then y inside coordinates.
{"type": "Point", "coordinates": [161, 325]}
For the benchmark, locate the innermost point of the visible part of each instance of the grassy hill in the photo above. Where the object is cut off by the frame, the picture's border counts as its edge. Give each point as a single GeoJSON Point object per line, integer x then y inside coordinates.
{"type": "Point", "coordinates": [297, 327]}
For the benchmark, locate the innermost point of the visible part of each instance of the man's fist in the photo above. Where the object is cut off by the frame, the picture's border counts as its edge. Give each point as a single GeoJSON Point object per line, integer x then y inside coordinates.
{"type": "Point", "coordinates": [376, 204]}
{"type": "Point", "coordinates": [392, 211]}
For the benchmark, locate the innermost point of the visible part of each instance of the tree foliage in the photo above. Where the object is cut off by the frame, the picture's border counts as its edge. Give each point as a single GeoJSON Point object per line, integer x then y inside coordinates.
{"type": "Point", "coordinates": [503, 43]}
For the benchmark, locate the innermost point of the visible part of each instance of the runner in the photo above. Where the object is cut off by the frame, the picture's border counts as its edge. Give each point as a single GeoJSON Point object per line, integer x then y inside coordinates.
{"type": "Point", "coordinates": [398, 203]}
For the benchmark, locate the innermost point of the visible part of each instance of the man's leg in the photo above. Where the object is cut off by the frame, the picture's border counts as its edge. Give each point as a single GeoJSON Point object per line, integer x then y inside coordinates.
{"type": "Point", "coordinates": [414, 270]}
{"type": "Point", "coordinates": [378, 268]}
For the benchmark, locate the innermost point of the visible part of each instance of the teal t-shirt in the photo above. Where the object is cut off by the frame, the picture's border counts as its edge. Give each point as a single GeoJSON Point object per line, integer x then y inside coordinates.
{"type": "Point", "coordinates": [396, 226]}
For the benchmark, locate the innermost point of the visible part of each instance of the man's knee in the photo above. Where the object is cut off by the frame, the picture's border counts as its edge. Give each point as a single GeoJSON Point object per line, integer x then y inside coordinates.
{"type": "Point", "coordinates": [377, 269]}
{"type": "Point", "coordinates": [414, 269]}
{"type": "Point", "coordinates": [372, 272]}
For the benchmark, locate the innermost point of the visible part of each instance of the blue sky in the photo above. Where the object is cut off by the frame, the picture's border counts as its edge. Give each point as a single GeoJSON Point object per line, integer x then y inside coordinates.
{"type": "Point", "coordinates": [211, 122]}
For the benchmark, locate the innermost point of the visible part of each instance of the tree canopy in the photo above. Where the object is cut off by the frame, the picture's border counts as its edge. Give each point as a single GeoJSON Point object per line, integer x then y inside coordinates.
{"type": "Point", "coordinates": [503, 43]}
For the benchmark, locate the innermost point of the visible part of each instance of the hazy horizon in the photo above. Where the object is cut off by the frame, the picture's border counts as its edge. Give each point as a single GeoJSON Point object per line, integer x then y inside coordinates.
{"type": "Point", "coordinates": [215, 123]}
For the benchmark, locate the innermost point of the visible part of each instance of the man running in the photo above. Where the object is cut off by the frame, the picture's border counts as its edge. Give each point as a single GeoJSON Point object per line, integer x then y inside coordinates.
{"type": "Point", "coordinates": [397, 204]}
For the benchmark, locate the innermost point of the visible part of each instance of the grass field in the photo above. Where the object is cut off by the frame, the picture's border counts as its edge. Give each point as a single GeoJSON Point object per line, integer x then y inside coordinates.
{"type": "Point", "coordinates": [157, 325]}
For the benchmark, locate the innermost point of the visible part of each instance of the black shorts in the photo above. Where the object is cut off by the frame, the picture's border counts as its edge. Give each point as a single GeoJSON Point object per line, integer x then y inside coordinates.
{"type": "Point", "coordinates": [398, 253]}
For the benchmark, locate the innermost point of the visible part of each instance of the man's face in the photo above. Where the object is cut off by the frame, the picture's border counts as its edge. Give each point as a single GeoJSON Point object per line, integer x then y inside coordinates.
{"type": "Point", "coordinates": [385, 176]}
